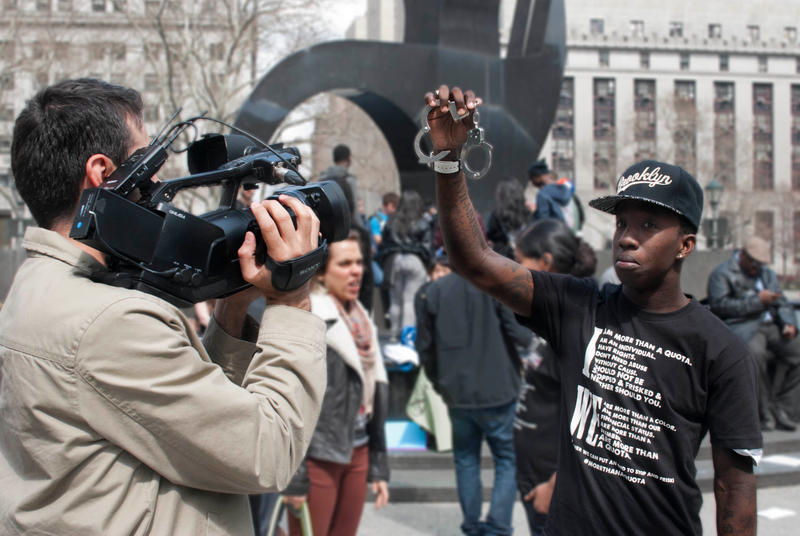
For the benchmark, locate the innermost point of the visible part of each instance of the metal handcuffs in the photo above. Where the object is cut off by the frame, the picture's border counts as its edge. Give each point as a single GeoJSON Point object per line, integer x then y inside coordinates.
{"type": "Point", "coordinates": [475, 139]}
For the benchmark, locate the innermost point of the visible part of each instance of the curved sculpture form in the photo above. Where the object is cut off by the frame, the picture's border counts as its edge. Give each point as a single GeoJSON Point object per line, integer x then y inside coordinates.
{"type": "Point", "coordinates": [451, 41]}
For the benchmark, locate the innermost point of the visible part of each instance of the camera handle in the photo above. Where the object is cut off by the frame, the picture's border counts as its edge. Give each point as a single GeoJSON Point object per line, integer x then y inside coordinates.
{"type": "Point", "coordinates": [292, 274]}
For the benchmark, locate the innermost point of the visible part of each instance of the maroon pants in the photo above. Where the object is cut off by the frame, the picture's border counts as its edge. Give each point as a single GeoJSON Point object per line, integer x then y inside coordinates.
{"type": "Point", "coordinates": [336, 495]}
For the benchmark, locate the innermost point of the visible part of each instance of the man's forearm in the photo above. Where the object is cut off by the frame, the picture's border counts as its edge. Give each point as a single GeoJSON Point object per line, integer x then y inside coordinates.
{"type": "Point", "coordinates": [461, 231]}
{"type": "Point", "coordinates": [735, 493]}
{"type": "Point", "coordinates": [736, 510]}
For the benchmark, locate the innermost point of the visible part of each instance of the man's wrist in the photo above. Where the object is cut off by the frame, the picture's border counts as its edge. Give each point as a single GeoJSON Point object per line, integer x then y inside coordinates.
{"type": "Point", "coordinates": [300, 298]}
{"type": "Point", "coordinates": [453, 155]}
{"type": "Point", "coordinates": [447, 167]}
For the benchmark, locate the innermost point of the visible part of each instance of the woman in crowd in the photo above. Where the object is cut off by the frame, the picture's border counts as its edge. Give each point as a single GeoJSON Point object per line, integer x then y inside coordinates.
{"type": "Point", "coordinates": [348, 448]}
{"type": "Point", "coordinates": [405, 252]}
{"type": "Point", "coordinates": [546, 245]}
{"type": "Point", "coordinates": [509, 216]}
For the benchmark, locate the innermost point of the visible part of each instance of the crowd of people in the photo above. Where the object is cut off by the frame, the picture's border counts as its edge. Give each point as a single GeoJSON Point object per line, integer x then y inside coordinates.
{"type": "Point", "coordinates": [593, 396]}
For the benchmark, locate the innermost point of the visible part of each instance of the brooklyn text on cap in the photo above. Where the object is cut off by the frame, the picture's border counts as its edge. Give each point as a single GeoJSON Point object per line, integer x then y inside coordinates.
{"type": "Point", "coordinates": [659, 183]}
{"type": "Point", "coordinates": [758, 249]}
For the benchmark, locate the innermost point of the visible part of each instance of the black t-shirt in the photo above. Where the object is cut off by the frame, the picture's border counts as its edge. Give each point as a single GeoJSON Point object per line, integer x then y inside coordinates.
{"type": "Point", "coordinates": [536, 423]}
{"type": "Point", "coordinates": [639, 392]}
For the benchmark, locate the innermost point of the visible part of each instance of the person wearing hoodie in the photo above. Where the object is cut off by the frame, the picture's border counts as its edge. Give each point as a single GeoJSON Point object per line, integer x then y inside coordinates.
{"type": "Point", "coordinates": [554, 195]}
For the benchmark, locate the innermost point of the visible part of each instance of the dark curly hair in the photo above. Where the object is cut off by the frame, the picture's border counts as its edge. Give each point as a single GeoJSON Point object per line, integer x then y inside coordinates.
{"type": "Point", "coordinates": [510, 207]}
{"type": "Point", "coordinates": [571, 255]}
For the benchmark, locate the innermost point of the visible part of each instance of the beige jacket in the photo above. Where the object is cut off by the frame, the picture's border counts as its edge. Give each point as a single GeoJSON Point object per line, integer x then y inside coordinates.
{"type": "Point", "coordinates": [114, 419]}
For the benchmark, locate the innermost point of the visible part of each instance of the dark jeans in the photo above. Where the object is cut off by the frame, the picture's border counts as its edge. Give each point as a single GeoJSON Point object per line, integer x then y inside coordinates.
{"type": "Point", "coordinates": [781, 391]}
{"type": "Point", "coordinates": [536, 520]}
{"type": "Point", "coordinates": [261, 507]}
{"type": "Point", "coordinates": [470, 426]}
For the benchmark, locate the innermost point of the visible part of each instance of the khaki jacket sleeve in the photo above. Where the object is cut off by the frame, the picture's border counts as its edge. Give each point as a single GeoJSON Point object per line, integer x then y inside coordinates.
{"type": "Point", "coordinates": [147, 385]}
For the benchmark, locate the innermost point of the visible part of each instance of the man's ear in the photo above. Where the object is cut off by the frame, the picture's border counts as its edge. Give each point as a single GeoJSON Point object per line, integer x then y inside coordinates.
{"type": "Point", "coordinates": [547, 262]}
{"type": "Point", "coordinates": [688, 243]}
{"type": "Point", "coordinates": [98, 167]}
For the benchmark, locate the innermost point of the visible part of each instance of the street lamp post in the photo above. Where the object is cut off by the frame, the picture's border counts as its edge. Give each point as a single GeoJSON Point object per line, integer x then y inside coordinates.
{"type": "Point", "coordinates": [714, 189]}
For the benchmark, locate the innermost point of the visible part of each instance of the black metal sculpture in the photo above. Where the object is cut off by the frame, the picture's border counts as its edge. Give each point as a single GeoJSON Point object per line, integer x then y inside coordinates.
{"type": "Point", "coordinates": [446, 41]}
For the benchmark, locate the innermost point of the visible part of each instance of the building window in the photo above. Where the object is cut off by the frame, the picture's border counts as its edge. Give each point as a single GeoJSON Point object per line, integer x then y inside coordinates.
{"type": "Point", "coordinates": [796, 237]}
{"type": "Point", "coordinates": [118, 51]}
{"type": "Point", "coordinates": [603, 58]}
{"type": "Point", "coordinates": [715, 31]}
{"type": "Point", "coordinates": [151, 114]}
{"type": "Point", "coordinates": [152, 51]}
{"type": "Point", "coordinates": [98, 6]}
{"type": "Point", "coordinates": [151, 6]}
{"type": "Point", "coordinates": [684, 61]}
{"type": "Point", "coordinates": [724, 59]}
{"type": "Point", "coordinates": [764, 226]}
{"type": "Point", "coordinates": [795, 137]}
{"type": "Point", "coordinates": [644, 128]}
{"type": "Point", "coordinates": [637, 28]}
{"type": "Point", "coordinates": [42, 5]}
{"type": "Point", "coordinates": [8, 50]}
{"type": "Point", "coordinates": [216, 51]}
{"type": "Point", "coordinates": [563, 155]}
{"type": "Point", "coordinates": [762, 137]}
{"type": "Point", "coordinates": [5, 143]}
{"type": "Point", "coordinates": [754, 33]}
{"type": "Point", "coordinates": [97, 51]}
{"type": "Point", "coordinates": [42, 78]}
{"type": "Point", "coordinates": [644, 60]}
{"type": "Point", "coordinates": [762, 64]}
{"type": "Point", "coordinates": [38, 50]}
{"type": "Point", "coordinates": [604, 133]}
{"type": "Point", "coordinates": [63, 49]}
{"type": "Point", "coordinates": [7, 81]}
{"type": "Point", "coordinates": [65, 5]}
{"type": "Point", "coordinates": [790, 34]}
{"type": "Point", "coordinates": [10, 5]}
{"type": "Point", "coordinates": [684, 125]}
{"type": "Point", "coordinates": [724, 133]}
{"type": "Point", "coordinates": [6, 112]}
{"type": "Point", "coordinates": [596, 26]}
{"type": "Point", "coordinates": [119, 5]}
{"type": "Point", "coordinates": [675, 29]}
{"type": "Point", "coordinates": [151, 82]}
{"type": "Point", "coordinates": [797, 65]}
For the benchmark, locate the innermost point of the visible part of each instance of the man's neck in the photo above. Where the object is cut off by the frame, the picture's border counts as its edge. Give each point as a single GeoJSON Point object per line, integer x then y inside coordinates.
{"type": "Point", "coordinates": [63, 227]}
{"type": "Point", "coordinates": [663, 298]}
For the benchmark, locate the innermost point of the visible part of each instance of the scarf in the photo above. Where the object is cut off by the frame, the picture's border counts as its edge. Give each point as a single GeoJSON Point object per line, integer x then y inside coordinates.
{"type": "Point", "coordinates": [359, 326]}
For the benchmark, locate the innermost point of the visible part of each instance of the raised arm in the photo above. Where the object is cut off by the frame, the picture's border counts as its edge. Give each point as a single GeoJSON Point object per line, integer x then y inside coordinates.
{"type": "Point", "coordinates": [467, 250]}
{"type": "Point", "coordinates": [735, 492]}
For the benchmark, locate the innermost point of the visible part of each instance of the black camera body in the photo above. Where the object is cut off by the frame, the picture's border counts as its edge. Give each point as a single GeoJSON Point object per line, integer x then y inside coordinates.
{"type": "Point", "coordinates": [160, 249]}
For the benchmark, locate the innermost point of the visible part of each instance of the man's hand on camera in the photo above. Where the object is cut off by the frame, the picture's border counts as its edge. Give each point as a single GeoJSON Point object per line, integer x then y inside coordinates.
{"type": "Point", "coordinates": [447, 133]}
{"type": "Point", "coordinates": [284, 242]}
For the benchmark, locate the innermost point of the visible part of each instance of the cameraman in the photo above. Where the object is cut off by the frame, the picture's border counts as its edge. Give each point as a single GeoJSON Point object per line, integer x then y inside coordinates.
{"type": "Point", "coordinates": [114, 417]}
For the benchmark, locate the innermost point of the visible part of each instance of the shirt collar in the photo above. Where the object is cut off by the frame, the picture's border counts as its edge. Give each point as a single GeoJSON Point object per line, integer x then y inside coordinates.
{"type": "Point", "coordinates": [51, 244]}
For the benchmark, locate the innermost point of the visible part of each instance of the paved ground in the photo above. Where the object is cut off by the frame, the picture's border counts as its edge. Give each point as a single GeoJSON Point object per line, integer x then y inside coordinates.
{"type": "Point", "coordinates": [778, 515]}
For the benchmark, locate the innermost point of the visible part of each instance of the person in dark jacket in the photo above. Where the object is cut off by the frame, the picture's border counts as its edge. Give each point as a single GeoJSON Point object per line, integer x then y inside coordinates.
{"type": "Point", "coordinates": [458, 327]}
{"type": "Point", "coordinates": [746, 295]}
{"type": "Point", "coordinates": [404, 253]}
{"type": "Point", "coordinates": [348, 448]}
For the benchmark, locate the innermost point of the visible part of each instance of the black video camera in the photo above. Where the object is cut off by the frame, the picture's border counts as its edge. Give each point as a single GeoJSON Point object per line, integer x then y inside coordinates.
{"type": "Point", "coordinates": [157, 248]}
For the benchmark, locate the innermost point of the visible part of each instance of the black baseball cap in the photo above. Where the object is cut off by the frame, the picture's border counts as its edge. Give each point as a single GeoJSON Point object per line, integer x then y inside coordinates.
{"type": "Point", "coordinates": [538, 168]}
{"type": "Point", "coordinates": [659, 183]}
